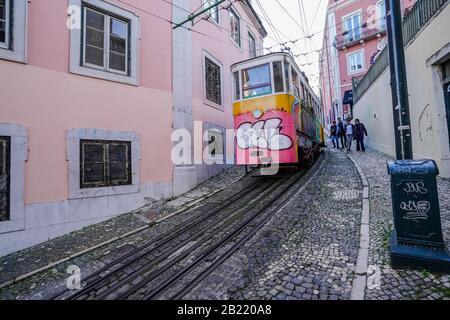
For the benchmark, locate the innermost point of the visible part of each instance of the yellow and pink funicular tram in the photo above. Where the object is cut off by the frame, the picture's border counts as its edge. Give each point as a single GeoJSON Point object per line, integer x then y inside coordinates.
{"type": "Point", "coordinates": [276, 113]}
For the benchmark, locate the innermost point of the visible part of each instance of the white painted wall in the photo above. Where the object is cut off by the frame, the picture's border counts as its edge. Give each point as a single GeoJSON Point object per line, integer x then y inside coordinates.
{"type": "Point", "coordinates": [426, 98]}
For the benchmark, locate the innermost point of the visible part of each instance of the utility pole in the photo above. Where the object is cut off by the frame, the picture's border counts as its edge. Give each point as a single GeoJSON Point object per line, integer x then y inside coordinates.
{"type": "Point", "coordinates": [399, 85]}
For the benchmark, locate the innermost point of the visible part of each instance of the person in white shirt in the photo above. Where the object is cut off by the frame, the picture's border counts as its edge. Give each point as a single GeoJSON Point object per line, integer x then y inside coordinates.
{"type": "Point", "coordinates": [349, 129]}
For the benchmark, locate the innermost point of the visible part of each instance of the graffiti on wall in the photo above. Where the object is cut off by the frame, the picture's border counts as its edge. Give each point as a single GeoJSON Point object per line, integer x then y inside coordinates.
{"type": "Point", "coordinates": [426, 124]}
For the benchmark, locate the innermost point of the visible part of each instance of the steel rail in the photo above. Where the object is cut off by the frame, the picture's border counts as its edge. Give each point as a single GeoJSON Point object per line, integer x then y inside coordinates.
{"type": "Point", "coordinates": [154, 274]}
{"type": "Point", "coordinates": [180, 273]}
{"type": "Point", "coordinates": [222, 258]}
{"type": "Point", "coordinates": [164, 238]}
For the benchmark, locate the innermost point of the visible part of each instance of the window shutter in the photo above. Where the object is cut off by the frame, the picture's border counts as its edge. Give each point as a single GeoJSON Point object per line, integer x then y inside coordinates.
{"type": "Point", "coordinates": [119, 163]}
{"type": "Point", "coordinates": [93, 164]}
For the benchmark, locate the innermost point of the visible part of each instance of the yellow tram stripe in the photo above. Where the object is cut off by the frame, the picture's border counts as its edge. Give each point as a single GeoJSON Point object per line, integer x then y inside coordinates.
{"type": "Point", "coordinates": [279, 102]}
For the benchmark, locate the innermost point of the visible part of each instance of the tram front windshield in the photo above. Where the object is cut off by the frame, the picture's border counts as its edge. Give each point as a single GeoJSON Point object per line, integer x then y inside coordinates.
{"type": "Point", "coordinates": [256, 81]}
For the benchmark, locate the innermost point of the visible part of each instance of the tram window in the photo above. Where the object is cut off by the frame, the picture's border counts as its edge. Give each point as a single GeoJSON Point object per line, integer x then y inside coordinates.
{"type": "Point", "coordinates": [256, 81]}
{"type": "Point", "coordinates": [278, 76]}
{"type": "Point", "coordinates": [237, 87]}
{"type": "Point", "coordinates": [296, 83]}
{"type": "Point", "coordinates": [286, 76]}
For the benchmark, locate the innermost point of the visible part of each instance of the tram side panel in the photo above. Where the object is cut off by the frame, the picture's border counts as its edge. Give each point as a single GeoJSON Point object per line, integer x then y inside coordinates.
{"type": "Point", "coordinates": [265, 130]}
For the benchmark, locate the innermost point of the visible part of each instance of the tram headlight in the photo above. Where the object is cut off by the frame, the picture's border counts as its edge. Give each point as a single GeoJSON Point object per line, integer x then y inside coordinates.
{"type": "Point", "coordinates": [258, 113]}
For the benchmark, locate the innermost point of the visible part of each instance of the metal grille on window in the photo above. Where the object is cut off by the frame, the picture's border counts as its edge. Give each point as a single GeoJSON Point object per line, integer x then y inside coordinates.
{"type": "Point", "coordinates": [213, 82]}
{"type": "Point", "coordinates": [105, 163]}
{"type": "Point", "coordinates": [5, 164]}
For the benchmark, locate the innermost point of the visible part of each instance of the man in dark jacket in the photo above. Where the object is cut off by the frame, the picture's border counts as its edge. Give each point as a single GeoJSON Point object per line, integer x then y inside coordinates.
{"type": "Point", "coordinates": [341, 133]}
{"type": "Point", "coordinates": [360, 133]}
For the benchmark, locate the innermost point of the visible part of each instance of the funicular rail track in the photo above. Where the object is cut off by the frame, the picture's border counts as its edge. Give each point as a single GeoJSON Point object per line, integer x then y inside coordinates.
{"type": "Point", "coordinates": [153, 245]}
{"type": "Point", "coordinates": [171, 265]}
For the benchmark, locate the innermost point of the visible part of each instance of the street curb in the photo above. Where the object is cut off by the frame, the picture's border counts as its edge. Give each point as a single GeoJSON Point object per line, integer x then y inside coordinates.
{"type": "Point", "coordinates": [107, 242]}
{"type": "Point", "coordinates": [360, 280]}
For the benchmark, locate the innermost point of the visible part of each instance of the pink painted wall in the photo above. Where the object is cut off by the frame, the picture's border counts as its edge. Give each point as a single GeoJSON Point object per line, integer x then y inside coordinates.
{"type": "Point", "coordinates": [48, 100]}
{"type": "Point", "coordinates": [368, 13]}
{"type": "Point", "coordinates": [224, 50]}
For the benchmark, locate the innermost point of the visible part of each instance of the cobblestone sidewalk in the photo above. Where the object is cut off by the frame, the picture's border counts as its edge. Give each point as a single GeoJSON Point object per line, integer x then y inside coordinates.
{"type": "Point", "coordinates": [39, 256]}
{"type": "Point", "coordinates": [383, 281]}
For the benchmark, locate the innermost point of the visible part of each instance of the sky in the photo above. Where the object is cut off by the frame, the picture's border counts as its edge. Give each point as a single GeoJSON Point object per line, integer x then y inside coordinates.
{"type": "Point", "coordinates": [285, 16]}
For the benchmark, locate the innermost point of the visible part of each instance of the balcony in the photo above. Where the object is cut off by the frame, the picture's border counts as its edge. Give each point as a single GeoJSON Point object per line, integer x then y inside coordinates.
{"type": "Point", "coordinates": [349, 39]}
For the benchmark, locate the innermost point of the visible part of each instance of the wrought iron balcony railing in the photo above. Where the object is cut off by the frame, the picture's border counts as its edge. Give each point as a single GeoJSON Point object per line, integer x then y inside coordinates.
{"type": "Point", "coordinates": [414, 21]}
{"type": "Point", "coordinates": [348, 39]}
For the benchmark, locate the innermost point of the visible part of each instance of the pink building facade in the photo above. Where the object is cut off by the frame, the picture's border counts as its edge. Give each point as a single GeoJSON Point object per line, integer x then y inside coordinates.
{"type": "Point", "coordinates": [92, 91]}
{"type": "Point", "coordinates": [355, 33]}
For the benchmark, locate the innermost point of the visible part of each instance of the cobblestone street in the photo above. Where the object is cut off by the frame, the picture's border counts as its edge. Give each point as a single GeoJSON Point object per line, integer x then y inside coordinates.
{"type": "Point", "coordinates": [307, 251]}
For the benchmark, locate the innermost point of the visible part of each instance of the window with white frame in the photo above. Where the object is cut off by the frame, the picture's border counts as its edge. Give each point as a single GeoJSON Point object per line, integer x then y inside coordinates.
{"type": "Point", "coordinates": [382, 15]}
{"type": "Point", "coordinates": [4, 23]}
{"type": "Point", "coordinates": [13, 154]}
{"type": "Point", "coordinates": [212, 80]}
{"type": "Point", "coordinates": [213, 12]}
{"type": "Point", "coordinates": [252, 45]}
{"type": "Point", "coordinates": [105, 41]}
{"type": "Point", "coordinates": [235, 27]}
{"type": "Point", "coordinates": [13, 26]}
{"type": "Point", "coordinates": [106, 45]}
{"type": "Point", "coordinates": [352, 27]}
{"type": "Point", "coordinates": [355, 62]}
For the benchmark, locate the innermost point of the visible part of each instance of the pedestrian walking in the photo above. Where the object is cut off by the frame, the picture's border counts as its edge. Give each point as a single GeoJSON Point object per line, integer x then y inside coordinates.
{"type": "Point", "coordinates": [349, 131]}
{"type": "Point", "coordinates": [333, 135]}
{"type": "Point", "coordinates": [360, 134]}
{"type": "Point", "coordinates": [341, 133]}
